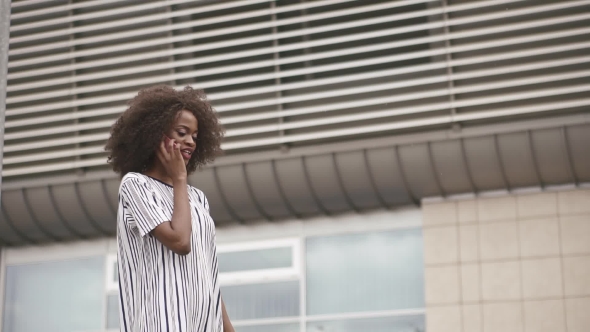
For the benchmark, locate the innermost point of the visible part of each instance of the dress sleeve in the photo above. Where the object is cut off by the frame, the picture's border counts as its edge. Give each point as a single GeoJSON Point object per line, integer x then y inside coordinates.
{"type": "Point", "coordinates": [206, 203]}
{"type": "Point", "coordinates": [202, 198]}
{"type": "Point", "coordinates": [144, 204]}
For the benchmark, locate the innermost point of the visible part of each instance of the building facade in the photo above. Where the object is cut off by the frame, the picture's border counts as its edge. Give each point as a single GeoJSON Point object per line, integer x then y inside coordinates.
{"type": "Point", "coordinates": [411, 165]}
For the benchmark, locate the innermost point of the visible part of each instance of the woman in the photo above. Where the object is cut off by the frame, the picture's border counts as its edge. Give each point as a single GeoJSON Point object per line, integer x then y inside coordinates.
{"type": "Point", "coordinates": [166, 238]}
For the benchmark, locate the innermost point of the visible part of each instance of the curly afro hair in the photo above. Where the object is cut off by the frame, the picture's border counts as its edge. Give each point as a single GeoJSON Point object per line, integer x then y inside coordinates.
{"type": "Point", "coordinates": [138, 132]}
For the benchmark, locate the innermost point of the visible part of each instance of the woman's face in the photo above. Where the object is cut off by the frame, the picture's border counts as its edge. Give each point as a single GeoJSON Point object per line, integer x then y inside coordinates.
{"type": "Point", "coordinates": [185, 132]}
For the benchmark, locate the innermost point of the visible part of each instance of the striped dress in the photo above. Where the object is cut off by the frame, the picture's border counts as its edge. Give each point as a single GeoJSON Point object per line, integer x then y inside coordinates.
{"type": "Point", "coordinates": [160, 290]}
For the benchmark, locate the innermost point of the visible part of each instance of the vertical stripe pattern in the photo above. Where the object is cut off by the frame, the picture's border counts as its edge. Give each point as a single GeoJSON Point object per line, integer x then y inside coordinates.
{"type": "Point", "coordinates": [161, 291]}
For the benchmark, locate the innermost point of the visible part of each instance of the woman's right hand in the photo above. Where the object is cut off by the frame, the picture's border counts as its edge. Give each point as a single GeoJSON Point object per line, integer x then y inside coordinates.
{"type": "Point", "coordinates": [170, 156]}
{"type": "Point", "coordinates": [176, 234]}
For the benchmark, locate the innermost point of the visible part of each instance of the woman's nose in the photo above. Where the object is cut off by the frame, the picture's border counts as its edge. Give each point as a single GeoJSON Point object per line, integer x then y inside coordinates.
{"type": "Point", "coordinates": [190, 140]}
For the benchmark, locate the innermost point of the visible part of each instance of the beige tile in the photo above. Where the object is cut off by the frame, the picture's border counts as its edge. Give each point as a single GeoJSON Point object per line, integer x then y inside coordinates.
{"type": "Point", "coordinates": [440, 245]}
{"type": "Point", "coordinates": [467, 211]}
{"type": "Point", "coordinates": [469, 243]}
{"type": "Point", "coordinates": [443, 319]}
{"type": "Point", "coordinates": [574, 202]}
{"type": "Point", "coordinates": [544, 316]}
{"type": "Point", "coordinates": [470, 283]}
{"type": "Point", "coordinates": [472, 321]}
{"type": "Point", "coordinates": [435, 214]}
{"type": "Point", "coordinates": [500, 281]}
{"type": "Point", "coordinates": [539, 237]}
{"type": "Point", "coordinates": [441, 284]}
{"type": "Point", "coordinates": [536, 205]}
{"type": "Point", "coordinates": [575, 234]}
{"type": "Point", "coordinates": [541, 278]}
{"type": "Point", "coordinates": [498, 240]}
{"type": "Point", "coordinates": [578, 314]}
{"type": "Point", "coordinates": [502, 317]}
{"type": "Point", "coordinates": [576, 275]}
{"type": "Point", "coordinates": [496, 208]}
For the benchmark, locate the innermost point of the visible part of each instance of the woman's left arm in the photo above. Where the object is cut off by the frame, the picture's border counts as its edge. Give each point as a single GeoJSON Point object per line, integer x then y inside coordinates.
{"type": "Point", "coordinates": [227, 327]}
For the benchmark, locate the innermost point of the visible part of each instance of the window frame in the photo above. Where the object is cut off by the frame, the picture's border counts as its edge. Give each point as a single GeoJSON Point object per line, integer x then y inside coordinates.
{"type": "Point", "coordinates": [263, 275]}
{"type": "Point", "coordinates": [295, 272]}
{"type": "Point", "coordinates": [111, 285]}
{"type": "Point", "coordinates": [231, 238]}
{"type": "Point", "coordinates": [56, 252]}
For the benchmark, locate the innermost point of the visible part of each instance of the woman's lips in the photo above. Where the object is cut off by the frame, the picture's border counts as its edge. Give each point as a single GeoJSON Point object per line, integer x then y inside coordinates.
{"type": "Point", "coordinates": [186, 154]}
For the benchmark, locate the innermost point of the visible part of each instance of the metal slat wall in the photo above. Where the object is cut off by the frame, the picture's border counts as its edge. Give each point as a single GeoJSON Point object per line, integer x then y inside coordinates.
{"type": "Point", "coordinates": [287, 73]}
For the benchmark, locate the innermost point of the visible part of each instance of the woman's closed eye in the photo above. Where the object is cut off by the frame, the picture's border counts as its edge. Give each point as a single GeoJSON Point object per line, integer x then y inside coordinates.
{"type": "Point", "coordinates": [182, 134]}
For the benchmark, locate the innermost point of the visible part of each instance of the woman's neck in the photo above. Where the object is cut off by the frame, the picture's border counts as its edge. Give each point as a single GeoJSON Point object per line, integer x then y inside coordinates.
{"type": "Point", "coordinates": [158, 172]}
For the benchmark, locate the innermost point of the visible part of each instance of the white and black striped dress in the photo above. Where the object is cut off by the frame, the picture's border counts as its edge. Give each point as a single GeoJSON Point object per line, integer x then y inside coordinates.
{"type": "Point", "coordinates": [161, 291]}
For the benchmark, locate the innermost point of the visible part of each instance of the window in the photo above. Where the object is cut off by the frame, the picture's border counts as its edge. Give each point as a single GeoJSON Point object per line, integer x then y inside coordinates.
{"type": "Point", "coordinates": [54, 296]}
{"type": "Point", "coordinates": [112, 273]}
{"type": "Point", "coordinates": [257, 259]}
{"type": "Point", "coordinates": [112, 292]}
{"type": "Point", "coordinates": [365, 282]}
{"type": "Point", "coordinates": [269, 328]}
{"type": "Point", "coordinates": [112, 322]}
{"type": "Point", "coordinates": [346, 282]}
{"type": "Point", "coordinates": [262, 300]}
{"type": "Point", "coordinates": [365, 272]}
{"type": "Point", "coordinates": [260, 283]}
{"type": "Point", "coordinates": [413, 323]}
{"type": "Point", "coordinates": [372, 281]}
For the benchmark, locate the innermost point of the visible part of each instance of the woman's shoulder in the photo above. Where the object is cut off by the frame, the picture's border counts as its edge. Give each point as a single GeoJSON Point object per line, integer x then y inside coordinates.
{"type": "Point", "coordinates": [200, 195]}
{"type": "Point", "coordinates": [196, 190]}
{"type": "Point", "coordinates": [135, 180]}
{"type": "Point", "coordinates": [133, 177]}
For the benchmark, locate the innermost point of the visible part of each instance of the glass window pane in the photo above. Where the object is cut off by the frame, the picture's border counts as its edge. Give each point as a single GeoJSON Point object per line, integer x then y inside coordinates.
{"type": "Point", "coordinates": [113, 311]}
{"type": "Point", "coordinates": [277, 299]}
{"type": "Point", "coordinates": [365, 272]}
{"type": "Point", "coordinates": [386, 324]}
{"type": "Point", "coordinates": [269, 328]}
{"type": "Point", "coordinates": [255, 259]}
{"type": "Point", "coordinates": [62, 296]}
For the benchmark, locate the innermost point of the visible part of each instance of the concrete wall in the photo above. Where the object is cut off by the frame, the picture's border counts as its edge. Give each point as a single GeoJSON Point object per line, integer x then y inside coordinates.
{"type": "Point", "coordinates": [513, 263]}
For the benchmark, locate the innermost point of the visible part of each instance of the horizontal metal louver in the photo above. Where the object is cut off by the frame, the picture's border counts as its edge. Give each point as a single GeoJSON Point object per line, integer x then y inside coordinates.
{"type": "Point", "coordinates": [284, 73]}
